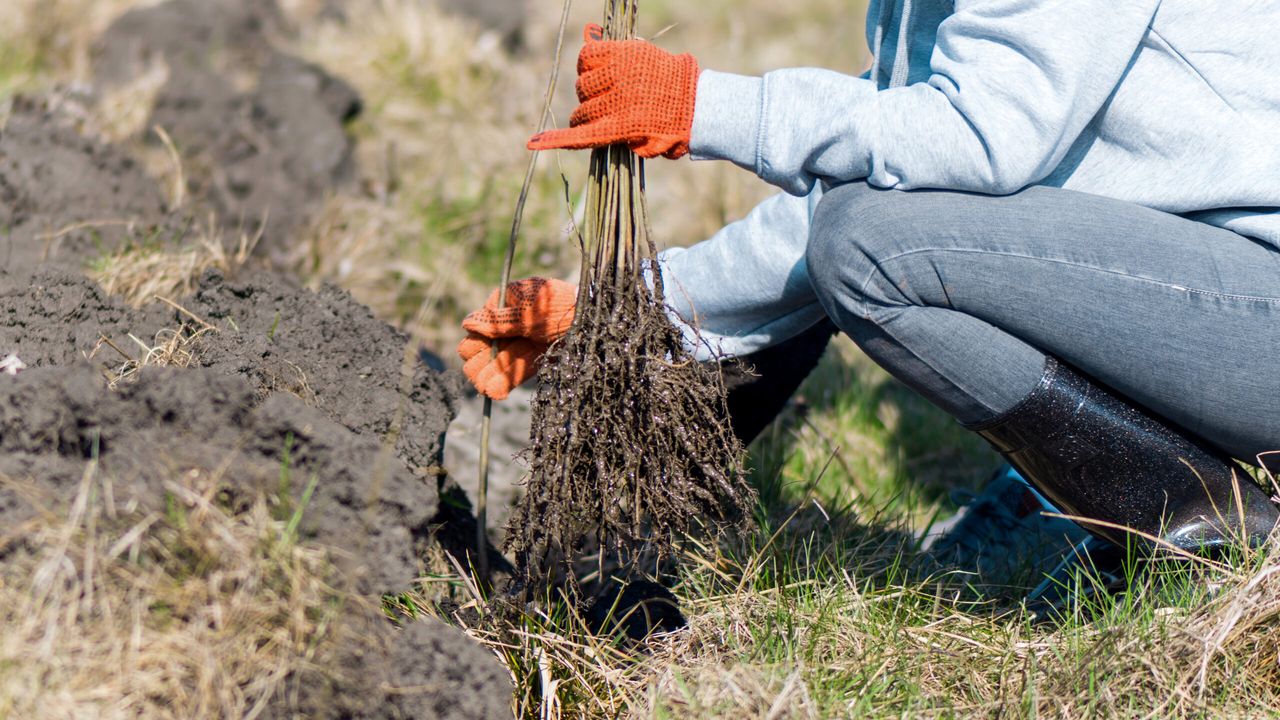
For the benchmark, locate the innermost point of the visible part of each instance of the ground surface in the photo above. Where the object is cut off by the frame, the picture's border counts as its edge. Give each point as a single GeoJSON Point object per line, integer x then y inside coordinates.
{"type": "Point", "coordinates": [212, 511]}
{"type": "Point", "coordinates": [232, 389]}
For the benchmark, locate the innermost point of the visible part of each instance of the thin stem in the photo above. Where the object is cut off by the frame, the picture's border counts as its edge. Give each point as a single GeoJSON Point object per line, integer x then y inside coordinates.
{"type": "Point", "coordinates": [486, 424]}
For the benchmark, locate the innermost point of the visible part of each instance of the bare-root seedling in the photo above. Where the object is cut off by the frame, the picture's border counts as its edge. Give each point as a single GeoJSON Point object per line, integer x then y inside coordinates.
{"type": "Point", "coordinates": [630, 443]}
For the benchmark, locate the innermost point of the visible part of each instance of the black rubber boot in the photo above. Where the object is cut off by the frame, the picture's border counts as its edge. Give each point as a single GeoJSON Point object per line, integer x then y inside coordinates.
{"type": "Point", "coordinates": [1096, 456]}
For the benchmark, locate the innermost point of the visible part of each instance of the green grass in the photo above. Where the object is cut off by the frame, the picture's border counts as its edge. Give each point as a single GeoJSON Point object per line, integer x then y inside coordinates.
{"type": "Point", "coordinates": [819, 624]}
{"type": "Point", "coordinates": [815, 614]}
{"type": "Point", "coordinates": [860, 441]}
{"type": "Point", "coordinates": [18, 66]}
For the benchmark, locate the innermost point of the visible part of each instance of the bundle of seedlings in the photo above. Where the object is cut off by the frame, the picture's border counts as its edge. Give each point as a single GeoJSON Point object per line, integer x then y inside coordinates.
{"type": "Point", "coordinates": [631, 449]}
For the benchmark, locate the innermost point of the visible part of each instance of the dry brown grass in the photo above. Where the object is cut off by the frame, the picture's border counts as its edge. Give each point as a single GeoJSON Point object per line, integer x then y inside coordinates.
{"type": "Point", "coordinates": [140, 272]}
{"type": "Point", "coordinates": [812, 625]}
{"type": "Point", "coordinates": [191, 614]}
{"type": "Point", "coordinates": [173, 347]}
{"type": "Point", "coordinates": [142, 275]}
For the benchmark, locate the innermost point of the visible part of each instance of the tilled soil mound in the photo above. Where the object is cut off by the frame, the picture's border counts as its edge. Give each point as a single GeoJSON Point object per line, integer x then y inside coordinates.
{"type": "Point", "coordinates": [290, 398]}
{"type": "Point", "coordinates": [198, 424]}
{"type": "Point", "coordinates": [65, 198]}
{"type": "Point", "coordinates": [252, 389]}
{"type": "Point", "coordinates": [282, 380]}
{"type": "Point", "coordinates": [262, 132]}
{"type": "Point", "coordinates": [334, 354]}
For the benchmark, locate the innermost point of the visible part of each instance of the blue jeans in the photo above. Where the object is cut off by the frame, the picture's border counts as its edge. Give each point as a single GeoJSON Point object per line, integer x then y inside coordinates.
{"type": "Point", "coordinates": [960, 296]}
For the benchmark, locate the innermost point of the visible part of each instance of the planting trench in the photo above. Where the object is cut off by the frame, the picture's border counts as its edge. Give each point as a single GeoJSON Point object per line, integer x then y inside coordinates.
{"type": "Point", "coordinates": [274, 393]}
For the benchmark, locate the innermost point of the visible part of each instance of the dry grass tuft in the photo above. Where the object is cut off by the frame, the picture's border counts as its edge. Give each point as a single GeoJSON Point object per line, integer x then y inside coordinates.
{"type": "Point", "coordinates": [173, 347]}
{"type": "Point", "coordinates": [1208, 649]}
{"type": "Point", "coordinates": [193, 613]}
{"type": "Point", "coordinates": [141, 271]}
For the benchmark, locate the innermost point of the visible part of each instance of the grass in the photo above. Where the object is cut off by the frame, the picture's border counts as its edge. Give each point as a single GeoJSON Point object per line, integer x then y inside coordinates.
{"type": "Point", "coordinates": [192, 612]}
{"type": "Point", "coordinates": [858, 440]}
{"type": "Point", "coordinates": [819, 624]}
{"type": "Point", "coordinates": [812, 616]}
{"type": "Point", "coordinates": [815, 616]}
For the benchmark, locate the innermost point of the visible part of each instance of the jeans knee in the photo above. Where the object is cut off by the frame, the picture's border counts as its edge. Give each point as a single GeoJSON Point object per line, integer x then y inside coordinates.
{"type": "Point", "coordinates": [853, 231]}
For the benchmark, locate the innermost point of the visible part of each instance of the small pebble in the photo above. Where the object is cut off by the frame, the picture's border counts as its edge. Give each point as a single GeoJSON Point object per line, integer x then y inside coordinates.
{"type": "Point", "coordinates": [11, 365]}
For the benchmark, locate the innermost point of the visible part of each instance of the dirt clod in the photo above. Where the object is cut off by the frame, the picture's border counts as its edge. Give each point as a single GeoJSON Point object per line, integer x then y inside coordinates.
{"type": "Point", "coordinates": [65, 198]}
{"type": "Point", "coordinates": [262, 132]}
{"type": "Point", "coordinates": [440, 673]}
{"type": "Point", "coordinates": [331, 352]}
{"type": "Point", "coordinates": [425, 670]}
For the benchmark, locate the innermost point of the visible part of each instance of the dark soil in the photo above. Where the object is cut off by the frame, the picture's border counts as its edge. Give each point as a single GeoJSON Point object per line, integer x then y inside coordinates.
{"type": "Point", "coordinates": [438, 672]}
{"type": "Point", "coordinates": [331, 351]}
{"type": "Point", "coordinates": [423, 671]}
{"type": "Point", "coordinates": [64, 198]}
{"type": "Point", "coordinates": [288, 387]}
{"type": "Point", "coordinates": [55, 318]}
{"type": "Point", "coordinates": [262, 133]}
{"type": "Point", "coordinates": [324, 348]}
{"type": "Point", "coordinates": [240, 415]}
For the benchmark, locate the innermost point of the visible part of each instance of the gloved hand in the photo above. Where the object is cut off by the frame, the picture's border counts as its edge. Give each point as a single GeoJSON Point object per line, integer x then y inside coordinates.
{"type": "Point", "coordinates": [632, 93]}
{"type": "Point", "coordinates": [538, 312]}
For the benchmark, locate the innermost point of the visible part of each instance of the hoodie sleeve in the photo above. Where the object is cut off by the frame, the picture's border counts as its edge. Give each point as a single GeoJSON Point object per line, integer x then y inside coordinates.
{"type": "Point", "coordinates": [1013, 84]}
{"type": "Point", "coordinates": [746, 288]}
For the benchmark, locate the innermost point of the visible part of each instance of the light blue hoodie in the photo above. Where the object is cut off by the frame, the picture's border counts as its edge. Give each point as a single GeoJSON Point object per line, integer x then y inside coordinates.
{"type": "Point", "coordinates": [1174, 105]}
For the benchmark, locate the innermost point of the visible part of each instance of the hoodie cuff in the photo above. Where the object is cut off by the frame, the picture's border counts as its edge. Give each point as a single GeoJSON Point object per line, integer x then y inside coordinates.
{"type": "Point", "coordinates": [726, 119]}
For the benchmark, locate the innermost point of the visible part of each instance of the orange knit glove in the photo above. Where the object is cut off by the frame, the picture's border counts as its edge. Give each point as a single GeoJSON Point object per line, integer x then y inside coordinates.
{"type": "Point", "coordinates": [538, 312]}
{"type": "Point", "coordinates": [632, 93]}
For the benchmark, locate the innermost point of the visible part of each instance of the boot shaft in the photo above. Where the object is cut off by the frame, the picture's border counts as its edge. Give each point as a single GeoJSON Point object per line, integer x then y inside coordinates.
{"type": "Point", "coordinates": [1099, 457]}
